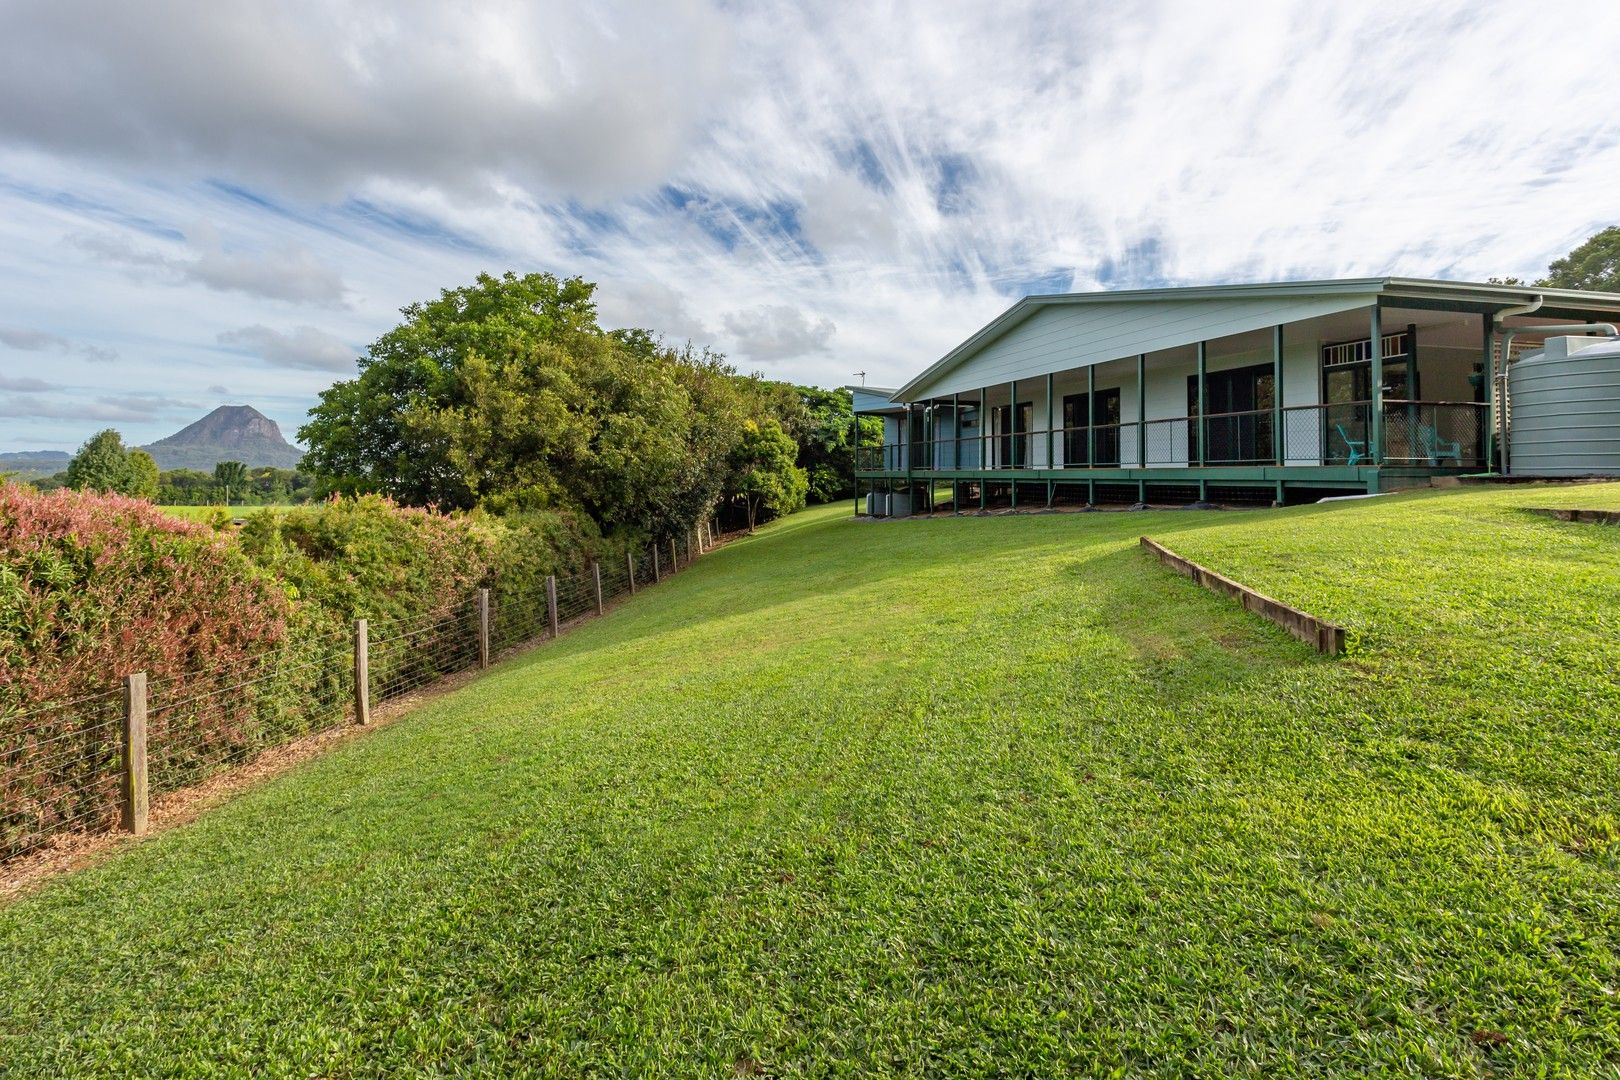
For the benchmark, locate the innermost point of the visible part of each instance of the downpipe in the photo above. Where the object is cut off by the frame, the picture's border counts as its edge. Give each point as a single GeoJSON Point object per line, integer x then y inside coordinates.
{"type": "Point", "coordinates": [1501, 389]}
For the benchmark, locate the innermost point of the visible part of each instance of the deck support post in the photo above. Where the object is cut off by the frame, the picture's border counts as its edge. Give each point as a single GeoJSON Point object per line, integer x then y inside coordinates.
{"type": "Point", "coordinates": [1091, 416]}
{"type": "Point", "coordinates": [1375, 354]}
{"type": "Point", "coordinates": [1050, 460]}
{"type": "Point", "coordinates": [927, 434]}
{"type": "Point", "coordinates": [956, 431]}
{"type": "Point", "coordinates": [984, 431]}
{"type": "Point", "coordinates": [1276, 394]}
{"type": "Point", "coordinates": [1012, 443]}
{"type": "Point", "coordinates": [1141, 410]}
{"type": "Point", "coordinates": [1487, 371]}
{"type": "Point", "coordinates": [1414, 391]}
{"type": "Point", "coordinates": [1091, 493]}
{"type": "Point", "coordinates": [1203, 360]}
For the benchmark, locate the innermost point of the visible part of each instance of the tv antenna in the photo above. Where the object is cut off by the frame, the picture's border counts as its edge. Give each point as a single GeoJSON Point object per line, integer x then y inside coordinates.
{"type": "Point", "coordinates": [862, 376]}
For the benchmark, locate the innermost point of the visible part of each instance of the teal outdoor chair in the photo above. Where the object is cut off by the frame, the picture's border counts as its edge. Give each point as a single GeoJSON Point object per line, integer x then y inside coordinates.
{"type": "Point", "coordinates": [1357, 447]}
{"type": "Point", "coordinates": [1438, 449]}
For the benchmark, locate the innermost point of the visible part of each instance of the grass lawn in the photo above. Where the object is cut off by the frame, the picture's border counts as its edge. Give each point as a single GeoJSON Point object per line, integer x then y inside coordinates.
{"type": "Point", "coordinates": [206, 513]}
{"type": "Point", "coordinates": [963, 796]}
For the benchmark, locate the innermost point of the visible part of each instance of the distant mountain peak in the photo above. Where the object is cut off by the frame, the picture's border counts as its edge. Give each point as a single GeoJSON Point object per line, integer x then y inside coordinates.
{"type": "Point", "coordinates": [229, 433]}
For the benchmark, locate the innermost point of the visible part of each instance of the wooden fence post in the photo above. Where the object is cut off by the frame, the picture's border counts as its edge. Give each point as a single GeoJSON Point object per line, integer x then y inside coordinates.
{"type": "Point", "coordinates": [656, 575]}
{"type": "Point", "coordinates": [483, 628]}
{"type": "Point", "coordinates": [630, 564]}
{"type": "Point", "coordinates": [135, 800]}
{"type": "Point", "coordinates": [362, 673]}
{"type": "Point", "coordinates": [596, 573]}
{"type": "Point", "coordinates": [551, 602]}
{"type": "Point", "coordinates": [674, 557]}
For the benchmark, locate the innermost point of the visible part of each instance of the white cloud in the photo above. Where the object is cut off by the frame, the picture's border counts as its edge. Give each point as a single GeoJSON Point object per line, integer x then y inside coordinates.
{"type": "Point", "coordinates": [302, 347]}
{"type": "Point", "coordinates": [286, 272]}
{"type": "Point", "coordinates": [24, 339]}
{"type": "Point", "coordinates": [321, 97]}
{"type": "Point", "coordinates": [17, 337]}
{"type": "Point", "coordinates": [778, 332]}
{"type": "Point", "coordinates": [25, 385]}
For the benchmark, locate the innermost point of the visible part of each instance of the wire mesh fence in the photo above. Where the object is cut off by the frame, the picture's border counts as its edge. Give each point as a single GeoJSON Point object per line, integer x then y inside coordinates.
{"type": "Point", "coordinates": [64, 767]}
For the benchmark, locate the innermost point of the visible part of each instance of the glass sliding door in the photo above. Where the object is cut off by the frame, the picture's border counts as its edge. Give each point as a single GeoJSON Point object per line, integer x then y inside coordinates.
{"type": "Point", "coordinates": [1237, 416]}
{"type": "Point", "coordinates": [1011, 428]}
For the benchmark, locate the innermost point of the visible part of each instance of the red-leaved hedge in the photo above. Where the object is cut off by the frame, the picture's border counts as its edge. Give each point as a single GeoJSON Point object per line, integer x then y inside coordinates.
{"type": "Point", "coordinates": [95, 586]}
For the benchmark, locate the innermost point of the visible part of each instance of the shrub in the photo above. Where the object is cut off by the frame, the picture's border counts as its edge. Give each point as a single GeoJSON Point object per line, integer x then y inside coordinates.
{"type": "Point", "coordinates": [93, 587]}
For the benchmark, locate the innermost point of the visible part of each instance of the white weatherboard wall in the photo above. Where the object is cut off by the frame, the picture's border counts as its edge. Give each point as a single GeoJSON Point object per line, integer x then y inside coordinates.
{"type": "Point", "coordinates": [1061, 335]}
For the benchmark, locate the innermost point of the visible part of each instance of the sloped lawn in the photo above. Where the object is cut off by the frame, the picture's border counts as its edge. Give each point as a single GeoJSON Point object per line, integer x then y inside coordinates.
{"type": "Point", "coordinates": [963, 796]}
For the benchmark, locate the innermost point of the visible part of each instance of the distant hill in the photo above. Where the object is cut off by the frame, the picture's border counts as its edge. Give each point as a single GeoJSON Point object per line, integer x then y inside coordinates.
{"type": "Point", "coordinates": [33, 463]}
{"type": "Point", "coordinates": [229, 433]}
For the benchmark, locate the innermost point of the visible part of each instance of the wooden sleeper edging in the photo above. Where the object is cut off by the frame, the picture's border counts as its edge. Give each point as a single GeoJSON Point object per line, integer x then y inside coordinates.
{"type": "Point", "coordinates": [1322, 635]}
{"type": "Point", "coordinates": [1584, 517]}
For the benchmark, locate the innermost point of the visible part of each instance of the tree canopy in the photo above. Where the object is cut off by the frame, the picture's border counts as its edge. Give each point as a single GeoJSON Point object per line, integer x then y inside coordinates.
{"type": "Point", "coordinates": [103, 464]}
{"type": "Point", "coordinates": [507, 394]}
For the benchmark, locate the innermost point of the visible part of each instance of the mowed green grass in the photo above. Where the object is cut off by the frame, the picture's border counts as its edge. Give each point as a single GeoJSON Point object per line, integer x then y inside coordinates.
{"type": "Point", "coordinates": [206, 513]}
{"type": "Point", "coordinates": [952, 797]}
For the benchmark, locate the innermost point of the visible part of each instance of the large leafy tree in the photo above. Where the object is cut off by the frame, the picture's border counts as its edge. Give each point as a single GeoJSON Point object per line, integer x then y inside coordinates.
{"type": "Point", "coordinates": [143, 475]}
{"type": "Point", "coordinates": [103, 464]}
{"type": "Point", "coordinates": [391, 429]}
{"type": "Point", "coordinates": [506, 394]}
{"type": "Point", "coordinates": [765, 473]}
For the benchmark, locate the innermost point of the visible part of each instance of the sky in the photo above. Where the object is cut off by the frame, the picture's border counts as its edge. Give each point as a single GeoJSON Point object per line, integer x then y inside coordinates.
{"type": "Point", "coordinates": [207, 203]}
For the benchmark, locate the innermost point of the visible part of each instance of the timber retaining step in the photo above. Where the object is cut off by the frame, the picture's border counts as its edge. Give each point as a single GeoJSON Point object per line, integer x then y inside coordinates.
{"type": "Point", "coordinates": [1587, 517]}
{"type": "Point", "coordinates": [1322, 635]}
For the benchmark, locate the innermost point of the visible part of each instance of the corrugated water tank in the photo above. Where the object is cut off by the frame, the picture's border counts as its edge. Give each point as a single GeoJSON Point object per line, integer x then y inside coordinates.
{"type": "Point", "coordinates": [1564, 404]}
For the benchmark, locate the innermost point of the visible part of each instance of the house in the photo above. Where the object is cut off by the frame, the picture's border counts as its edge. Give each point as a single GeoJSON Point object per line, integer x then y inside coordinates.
{"type": "Point", "coordinates": [1282, 392]}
